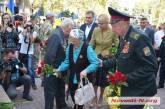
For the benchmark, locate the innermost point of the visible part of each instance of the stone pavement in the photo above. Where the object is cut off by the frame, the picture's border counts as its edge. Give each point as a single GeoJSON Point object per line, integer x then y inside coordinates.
{"type": "Point", "coordinates": [38, 102]}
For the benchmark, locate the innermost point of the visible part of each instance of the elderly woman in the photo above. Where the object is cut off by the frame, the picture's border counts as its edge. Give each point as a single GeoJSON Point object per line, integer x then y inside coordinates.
{"type": "Point", "coordinates": [80, 59]}
{"type": "Point", "coordinates": [103, 40]}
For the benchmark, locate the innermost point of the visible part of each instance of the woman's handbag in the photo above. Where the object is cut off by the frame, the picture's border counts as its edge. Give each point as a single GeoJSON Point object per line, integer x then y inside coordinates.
{"type": "Point", "coordinates": [84, 93]}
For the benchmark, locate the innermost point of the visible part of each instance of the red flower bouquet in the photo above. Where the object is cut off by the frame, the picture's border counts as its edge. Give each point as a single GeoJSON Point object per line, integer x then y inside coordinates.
{"type": "Point", "coordinates": [46, 69]}
{"type": "Point", "coordinates": [116, 80]}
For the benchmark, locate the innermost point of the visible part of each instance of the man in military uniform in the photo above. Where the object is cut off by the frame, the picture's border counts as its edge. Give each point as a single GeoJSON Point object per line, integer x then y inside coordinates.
{"type": "Point", "coordinates": [135, 58]}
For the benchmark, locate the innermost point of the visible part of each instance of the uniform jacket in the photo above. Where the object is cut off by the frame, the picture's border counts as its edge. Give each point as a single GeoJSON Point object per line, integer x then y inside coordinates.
{"type": "Point", "coordinates": [136, 59]}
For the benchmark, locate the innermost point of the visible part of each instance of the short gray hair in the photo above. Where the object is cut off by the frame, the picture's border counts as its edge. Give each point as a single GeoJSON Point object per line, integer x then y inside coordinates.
{"type": "Point", "coordinates": [67, 22]}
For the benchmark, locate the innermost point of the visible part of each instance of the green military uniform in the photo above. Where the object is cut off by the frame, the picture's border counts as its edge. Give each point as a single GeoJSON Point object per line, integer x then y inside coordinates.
{"type": "Point", "coordinates": [137, 60]}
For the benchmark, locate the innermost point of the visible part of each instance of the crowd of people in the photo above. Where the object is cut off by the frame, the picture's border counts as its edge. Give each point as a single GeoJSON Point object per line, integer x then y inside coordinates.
{"type": "Point", "coordinates": [78, 52]}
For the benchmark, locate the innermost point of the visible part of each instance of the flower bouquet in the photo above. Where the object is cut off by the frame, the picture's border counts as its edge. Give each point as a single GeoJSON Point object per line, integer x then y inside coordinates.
{"type": "Point", "coordinates": [47, 70]}
{"type": "Point", "coordinates": [116, 80]}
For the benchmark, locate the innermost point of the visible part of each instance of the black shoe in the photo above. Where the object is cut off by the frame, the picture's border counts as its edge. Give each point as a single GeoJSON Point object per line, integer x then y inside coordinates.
{"type": "Point", "coordinates": [67, 107]}
{"type": "Point", "coordinates": [28, 97]}
{"type": "Point", "coordinates": [160, 86]}
{"type": "Point", "coordinates": [34, 87]}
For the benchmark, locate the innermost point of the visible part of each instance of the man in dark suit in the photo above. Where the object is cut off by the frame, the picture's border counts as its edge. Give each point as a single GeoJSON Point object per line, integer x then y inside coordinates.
{"type": "Point", "coordinates": [150, 32]}
{"type": "Point", "coordinates": [89, 26]}
{"type": "Point", "coordinates": [55, 87]}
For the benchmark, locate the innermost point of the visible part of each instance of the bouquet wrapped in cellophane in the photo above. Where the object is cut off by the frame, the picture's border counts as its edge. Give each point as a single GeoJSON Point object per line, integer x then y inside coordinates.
{"type": "Point", "coordinates": [116, 80]}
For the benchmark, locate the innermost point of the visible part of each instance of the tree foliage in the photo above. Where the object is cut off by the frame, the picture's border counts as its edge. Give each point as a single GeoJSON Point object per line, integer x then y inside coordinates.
{"type": "Point", "coordinates": [152, 9]}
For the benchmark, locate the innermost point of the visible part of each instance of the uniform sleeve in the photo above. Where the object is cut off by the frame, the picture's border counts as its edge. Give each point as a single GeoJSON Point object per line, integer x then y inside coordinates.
{"type": "Point", "coordinates": [109, 63]}
{"type": "Point", "coordinates": [65, 64]}
{"type": "Point", "coordinates": [147, 61]}
{"type": "Point", "coordinates": [94, 61]}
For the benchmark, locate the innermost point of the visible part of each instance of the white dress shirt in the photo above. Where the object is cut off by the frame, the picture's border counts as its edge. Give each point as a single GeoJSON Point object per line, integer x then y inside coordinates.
{"type": "Point", "coordinates": [158, 38]}
{"type": "Point", "coordinates": [87, 30]}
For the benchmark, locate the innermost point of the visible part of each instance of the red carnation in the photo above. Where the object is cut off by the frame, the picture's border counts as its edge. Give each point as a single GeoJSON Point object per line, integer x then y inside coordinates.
{"type": "Point", "coordinates": [41, 44]}
{"type": "Point", "coordinates": [112, 79]}
{"type": "Point", "coordinates": [42, 63]}
{"type": "Point", "coordinates": [46, 42]}
{"type": "Point", "coordinates": [117, 78]}
{"type": "Point", "coordinates": [39, 70]}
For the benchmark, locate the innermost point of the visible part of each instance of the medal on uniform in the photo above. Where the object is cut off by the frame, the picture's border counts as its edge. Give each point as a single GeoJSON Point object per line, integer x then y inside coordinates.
{"type": "Point", "coordinates": [146, 51]}
{"type": "Point", "coordinates": [126, 47]}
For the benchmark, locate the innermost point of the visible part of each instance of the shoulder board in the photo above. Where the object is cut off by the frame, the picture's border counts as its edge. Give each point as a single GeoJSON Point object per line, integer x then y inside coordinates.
{"type": "Point", "coordinates": [134, 35]}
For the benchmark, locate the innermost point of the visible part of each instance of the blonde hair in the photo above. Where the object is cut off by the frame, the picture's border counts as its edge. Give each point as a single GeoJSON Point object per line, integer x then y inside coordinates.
{"type": "Point", "coordinates": [103, 18]}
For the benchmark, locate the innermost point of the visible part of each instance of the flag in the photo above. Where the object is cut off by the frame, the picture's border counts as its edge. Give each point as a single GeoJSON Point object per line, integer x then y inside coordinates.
{"type": "Point", "coordinates": [10, 7]}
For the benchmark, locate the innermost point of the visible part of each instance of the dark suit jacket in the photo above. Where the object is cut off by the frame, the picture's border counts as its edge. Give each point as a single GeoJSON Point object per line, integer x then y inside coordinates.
{"type": "Point", "coordinates": [55, 52]}
{"type": "Point", "coordinates": [83, 27]}
{"type": "Point", "coordinates": [150, 33]}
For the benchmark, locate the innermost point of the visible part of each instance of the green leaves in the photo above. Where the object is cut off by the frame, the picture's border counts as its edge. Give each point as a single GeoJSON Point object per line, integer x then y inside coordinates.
{"type": "Point", "coordinates": [48, 70]}
{"type": "Point", "coordinates": [6, 105]}
{"type": "Point", "coordinates": [113, 50]}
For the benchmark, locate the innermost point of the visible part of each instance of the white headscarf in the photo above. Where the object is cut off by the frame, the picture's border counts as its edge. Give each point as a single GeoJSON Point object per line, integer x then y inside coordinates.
{"type": "Point", "coordinates": [76, 33]}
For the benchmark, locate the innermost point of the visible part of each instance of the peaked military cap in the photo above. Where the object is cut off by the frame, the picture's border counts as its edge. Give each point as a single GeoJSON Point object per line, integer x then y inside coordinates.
{"type": "Point", "coordinates": [118, 16]}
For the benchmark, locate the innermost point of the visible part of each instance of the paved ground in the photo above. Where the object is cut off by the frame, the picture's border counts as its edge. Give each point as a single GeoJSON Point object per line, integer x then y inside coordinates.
{"type": "Point", "coordinates": [38, 102]}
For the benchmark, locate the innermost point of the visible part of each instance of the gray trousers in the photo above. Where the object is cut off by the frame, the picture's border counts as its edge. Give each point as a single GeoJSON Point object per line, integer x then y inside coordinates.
{"type": "Point", "coordinates": [54, 88]}
{"type": "Point", "coordinates": [23, 80]}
